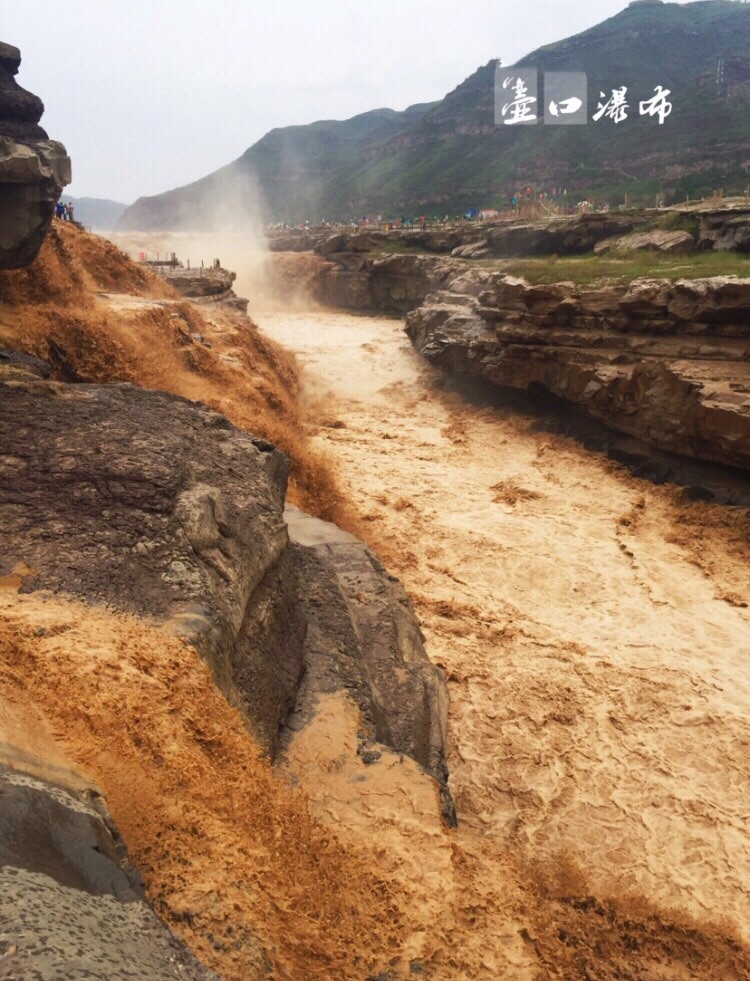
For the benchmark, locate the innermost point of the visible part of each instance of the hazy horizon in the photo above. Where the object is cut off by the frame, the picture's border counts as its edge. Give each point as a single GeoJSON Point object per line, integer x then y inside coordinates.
{"type": "Point", "coordinates": [150, 98]}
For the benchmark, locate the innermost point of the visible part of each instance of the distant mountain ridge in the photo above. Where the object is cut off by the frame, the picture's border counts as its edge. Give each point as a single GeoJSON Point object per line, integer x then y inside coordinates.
{"type": "Point", "coordinates": [98, 214]}
{"type": "Point", "coordinates": [449, 155]}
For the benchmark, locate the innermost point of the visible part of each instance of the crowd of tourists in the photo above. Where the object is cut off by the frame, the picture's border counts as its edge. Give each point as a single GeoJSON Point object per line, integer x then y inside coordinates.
{"type": "Point", "coordinates": [554, 201]}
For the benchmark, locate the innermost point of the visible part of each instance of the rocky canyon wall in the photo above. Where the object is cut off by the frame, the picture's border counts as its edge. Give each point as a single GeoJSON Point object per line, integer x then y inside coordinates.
{"type": "Point", "coordinates": [667, 362]}
{"type": "Point", "coordinates": [664, 362]}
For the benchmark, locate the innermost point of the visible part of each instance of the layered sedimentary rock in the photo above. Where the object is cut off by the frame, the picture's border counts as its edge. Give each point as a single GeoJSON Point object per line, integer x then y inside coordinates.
{"type": "Point", "coordinates": [666, 362]}
{"type": "Point", "coordinates": [727, 229]}
{"type": "Point", "coordinates": [203, 286]}
{"type": "Point", "coordinates": [362, 281]}
{"type": "Point", "coordinates": [716, 226]}
{"type": "Point", "coordinates": [569, 236]}
{"type": "Point", "coordinates": [440, 239]}
{"type": "Point", "coordinates": [391, 283]}
{"type": "Point", "coordinates": [33, 168]}
{"type": "Point", "coordinates": [674, 243]}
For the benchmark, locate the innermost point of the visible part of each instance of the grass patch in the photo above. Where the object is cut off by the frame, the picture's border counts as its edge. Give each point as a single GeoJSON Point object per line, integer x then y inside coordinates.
{"type": "Point", "coordinates": [586, 270]}
{"type": "Point", "coordinates": [397, 247]}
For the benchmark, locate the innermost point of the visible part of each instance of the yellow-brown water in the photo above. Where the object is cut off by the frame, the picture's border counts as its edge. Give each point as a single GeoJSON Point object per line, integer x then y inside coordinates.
{"type": "Point", "coordinates": [595, 632]}
{"type": "Point", "coordinates": [591, 627]}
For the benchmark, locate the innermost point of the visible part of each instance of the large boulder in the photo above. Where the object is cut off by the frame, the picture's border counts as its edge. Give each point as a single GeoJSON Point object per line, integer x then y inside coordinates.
{"type": "Point", "coordinates": [657, 240]}
{"type": "Point", "coordinates": [158, 506]}
{"type": "Point", "coordinates": [560, 236]}
{"type": "Point", "coordinates": [33, 168]}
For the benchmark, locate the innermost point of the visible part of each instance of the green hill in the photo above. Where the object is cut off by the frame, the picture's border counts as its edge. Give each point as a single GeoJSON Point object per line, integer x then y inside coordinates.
{"type": "Point", "coordinates": [449, 155]}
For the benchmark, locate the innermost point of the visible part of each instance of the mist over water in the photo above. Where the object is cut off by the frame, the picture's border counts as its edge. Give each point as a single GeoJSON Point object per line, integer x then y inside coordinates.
{"type": "Point", "coordinates": [244, 252]}
{"type": "Point", "coordinates": [226, 224]}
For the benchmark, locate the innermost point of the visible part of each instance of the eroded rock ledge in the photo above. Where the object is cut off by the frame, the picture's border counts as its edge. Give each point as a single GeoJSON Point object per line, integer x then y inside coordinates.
{"type": "Point", "coordinates": [667, 362]}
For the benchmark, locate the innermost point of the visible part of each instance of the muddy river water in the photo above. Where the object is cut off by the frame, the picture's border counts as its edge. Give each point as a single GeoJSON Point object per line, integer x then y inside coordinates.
{"type": "Point", "coordinates": [594, 630]}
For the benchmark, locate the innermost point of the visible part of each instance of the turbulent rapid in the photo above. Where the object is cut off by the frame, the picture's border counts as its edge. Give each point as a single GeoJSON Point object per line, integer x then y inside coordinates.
{"type": "Point", "coordinates": [593, 628]}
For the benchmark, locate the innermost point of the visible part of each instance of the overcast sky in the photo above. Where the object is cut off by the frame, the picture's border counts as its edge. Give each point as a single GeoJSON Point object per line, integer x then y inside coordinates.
{"type": "Point", "coordinates": [151, 94]}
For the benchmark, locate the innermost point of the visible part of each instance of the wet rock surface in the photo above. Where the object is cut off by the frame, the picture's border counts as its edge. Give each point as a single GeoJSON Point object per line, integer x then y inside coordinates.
{"type": "Point", "coordinates": [33, 168]}
{"type": "Point", "coordinates": [364, 639]}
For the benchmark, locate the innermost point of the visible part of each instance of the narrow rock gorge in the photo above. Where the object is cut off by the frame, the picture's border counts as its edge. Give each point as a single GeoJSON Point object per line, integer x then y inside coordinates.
{"type": "Point", "coordinates": [317, 661]}
{"type": "Point", "coordinates": [118, 502]}
{"type": "Point", "coordinates": [662, 361]}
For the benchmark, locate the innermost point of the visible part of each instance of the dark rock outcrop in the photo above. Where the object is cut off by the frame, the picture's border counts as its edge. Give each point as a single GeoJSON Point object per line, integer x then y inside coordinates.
{"type": "Point", "coordinates": [33, 168]}
{"type": "Point", "coordinates": [387, 283]}
{"type": "Point", "coordinates": [666, 362]}
{"type": "Point", "coordinates": [567, 236]}
{"type": "Point", "coordinates": [390, 283]}
{"type": "Point", "coordinates": [364, 639]}
{"type": "Point", "coordinates": [20, 111]}
{"type": "Point", "coordinates": [726, 229]}
{"type": "Point", "coordinates": [71, 905]}
{"type": "Point", "coordinates": [158, 506]}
